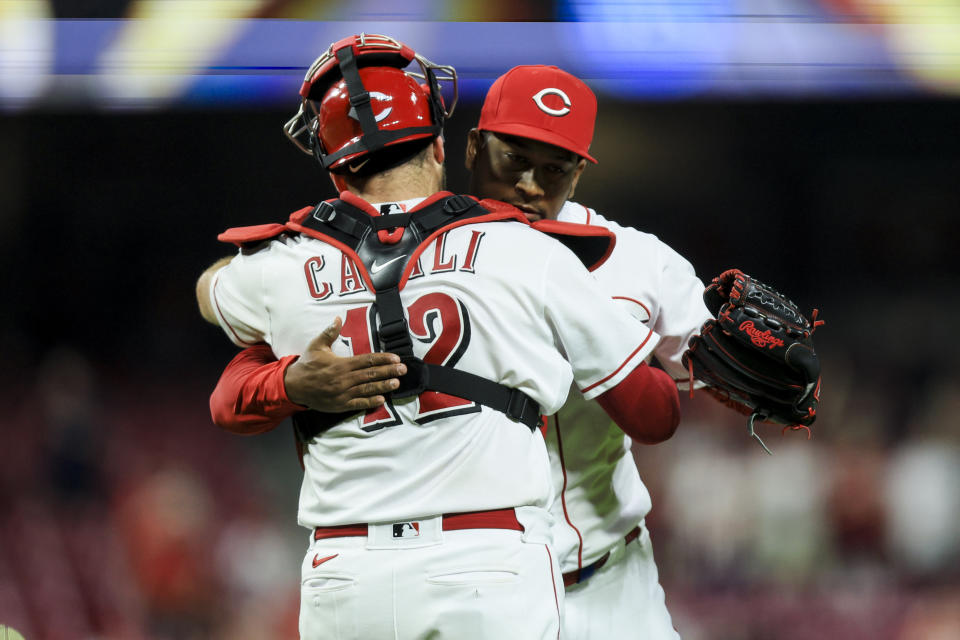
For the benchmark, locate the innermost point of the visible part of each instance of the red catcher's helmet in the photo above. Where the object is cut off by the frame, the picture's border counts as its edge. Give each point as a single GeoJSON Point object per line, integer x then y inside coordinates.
{"type": "Point", "coordinates": [356, 99]}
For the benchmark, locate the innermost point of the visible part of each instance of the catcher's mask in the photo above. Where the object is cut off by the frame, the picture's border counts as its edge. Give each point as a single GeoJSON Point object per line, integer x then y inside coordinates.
{"type": "Point", "coordinates": [356, 100]}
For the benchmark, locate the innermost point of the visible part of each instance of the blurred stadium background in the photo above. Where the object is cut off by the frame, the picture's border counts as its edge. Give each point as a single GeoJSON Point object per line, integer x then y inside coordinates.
{"type": "Point", "coordinates": [813, 143]}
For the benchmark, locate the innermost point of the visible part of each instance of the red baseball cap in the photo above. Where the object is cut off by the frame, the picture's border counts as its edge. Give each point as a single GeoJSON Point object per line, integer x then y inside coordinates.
{"type": "Point", "coordinates": [543, 103]}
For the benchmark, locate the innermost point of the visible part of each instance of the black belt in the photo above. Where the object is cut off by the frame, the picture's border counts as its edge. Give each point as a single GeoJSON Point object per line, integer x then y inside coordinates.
{"type": "Point", "coordinates": [583, 573]}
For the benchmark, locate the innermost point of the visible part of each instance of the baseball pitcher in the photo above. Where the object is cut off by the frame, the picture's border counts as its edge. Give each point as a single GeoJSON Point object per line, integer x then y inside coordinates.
{"type": "Point", "coordinates": [535, 118]}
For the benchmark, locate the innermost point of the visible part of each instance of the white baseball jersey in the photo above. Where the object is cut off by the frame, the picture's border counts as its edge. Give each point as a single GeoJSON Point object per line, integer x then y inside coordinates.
{"type": "Point", "coordinates": [498, 300]}
{"type": "Point", "coordinates": [600, 494]}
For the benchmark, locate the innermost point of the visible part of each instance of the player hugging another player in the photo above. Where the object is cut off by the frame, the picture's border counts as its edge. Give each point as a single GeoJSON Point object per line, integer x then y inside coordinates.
{"type": "Point", "coordinates": [438, 506]}
{"type": "Point", "coordinates": [429, 513]}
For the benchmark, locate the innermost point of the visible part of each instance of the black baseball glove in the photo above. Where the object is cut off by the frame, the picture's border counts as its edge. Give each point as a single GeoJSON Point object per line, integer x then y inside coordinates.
{"type": "Point", "coordinates": [757, 353]}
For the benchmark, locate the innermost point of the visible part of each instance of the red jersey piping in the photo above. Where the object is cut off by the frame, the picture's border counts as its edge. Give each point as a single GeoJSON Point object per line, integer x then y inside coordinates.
{"type": "Point", "coordinates": [588, 213]}
{"type": "Point", "coordinates": [563, 492]}
{"type": "Point", "coordinates": [350, 253]}
{"type": "Point", "coordinates": [216, 281]}
{"type": "Point", "coordinates": [645, 307]}
{"type": "Point", "coordinates": [630, 357]}
{"type": "Point", "coordinates": [553, 581]}
{"type": "Point", "coordinates": [493, 216]}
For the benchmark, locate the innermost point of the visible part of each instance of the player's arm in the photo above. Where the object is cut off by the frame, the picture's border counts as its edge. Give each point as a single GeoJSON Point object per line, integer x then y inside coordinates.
{"type": "Point", "coordinates": [645, 405]}
{"type": "Point", "coordinates": [256, 392]}
{"type": "Point", "coordinates": [681, 310]}
{"type": "Point", "coordinates": [607, 348]}
{"type": "Point", "coordinates": [250, 397]}
{"type": "Point", "coordinates": [203, 289]}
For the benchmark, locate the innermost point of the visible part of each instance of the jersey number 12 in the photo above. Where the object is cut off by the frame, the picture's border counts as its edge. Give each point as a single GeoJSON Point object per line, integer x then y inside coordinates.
{"type": "Point", "coordinates": [437, 319]}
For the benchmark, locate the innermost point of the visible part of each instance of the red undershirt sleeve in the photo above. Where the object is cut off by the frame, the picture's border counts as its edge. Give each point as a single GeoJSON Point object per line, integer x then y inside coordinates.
{"type": "Point", "coordinates": [250, 397]}
{"type": "Point", "coordinates": [645, 405]}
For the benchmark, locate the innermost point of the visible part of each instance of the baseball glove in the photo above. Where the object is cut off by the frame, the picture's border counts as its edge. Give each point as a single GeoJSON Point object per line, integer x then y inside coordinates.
{"type": "Point", "coordinates": [757, 353]}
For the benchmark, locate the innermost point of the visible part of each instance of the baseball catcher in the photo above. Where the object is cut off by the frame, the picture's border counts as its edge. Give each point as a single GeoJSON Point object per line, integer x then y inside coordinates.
{"type": "Point", "coordinates": [756, 354]}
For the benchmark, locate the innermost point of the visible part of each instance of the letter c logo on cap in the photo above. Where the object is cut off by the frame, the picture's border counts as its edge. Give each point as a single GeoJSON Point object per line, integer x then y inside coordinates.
{"type": "Point", "coordinates": [538, 99]}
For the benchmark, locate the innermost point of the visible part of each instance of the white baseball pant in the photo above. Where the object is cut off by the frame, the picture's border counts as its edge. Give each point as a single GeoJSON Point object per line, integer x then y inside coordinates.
{"type": "Point", "coordinates": [438, 577]}
{"type": "Point", "coordinates": [623, 599]}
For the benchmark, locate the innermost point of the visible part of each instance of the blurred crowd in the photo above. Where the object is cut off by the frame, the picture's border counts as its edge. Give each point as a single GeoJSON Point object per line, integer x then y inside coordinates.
{"type": "Point", "coordinates": [854, 533]}
{"type": "Point", "coordinates": [127, 514]}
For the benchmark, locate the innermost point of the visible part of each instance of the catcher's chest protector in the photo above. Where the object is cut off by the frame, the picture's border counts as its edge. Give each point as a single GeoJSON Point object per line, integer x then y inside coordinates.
{"type": "Point", "coordinates": [384, 245]}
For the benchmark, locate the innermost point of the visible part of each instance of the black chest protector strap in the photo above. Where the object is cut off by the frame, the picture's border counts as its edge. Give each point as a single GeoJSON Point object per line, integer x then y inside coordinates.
{"type": "Point", "coordinates": [385, 263]}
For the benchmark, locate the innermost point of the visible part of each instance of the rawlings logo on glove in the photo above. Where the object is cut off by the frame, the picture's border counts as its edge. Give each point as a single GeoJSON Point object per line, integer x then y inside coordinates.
{"type": "Point", "coordinates": [756, 354]}
{"type": "Point", "coordinates": [760, 338]}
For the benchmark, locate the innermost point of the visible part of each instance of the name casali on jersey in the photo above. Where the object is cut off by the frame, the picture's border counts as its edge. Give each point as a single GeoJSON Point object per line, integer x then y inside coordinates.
{"type": "Point", "coordinates": [493, 299]}
{"type": "Point", "coordinates": [446, 258]}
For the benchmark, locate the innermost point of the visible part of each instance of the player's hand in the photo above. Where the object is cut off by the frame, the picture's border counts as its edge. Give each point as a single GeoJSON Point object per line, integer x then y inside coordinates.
{"type": "Point", "coordinates": [326, 382]}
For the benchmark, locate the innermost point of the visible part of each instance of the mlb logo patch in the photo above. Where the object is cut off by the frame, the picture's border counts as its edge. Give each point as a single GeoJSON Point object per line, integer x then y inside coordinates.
{"type": "Point", "coordinates": [411, 534]}
{"type": "Point", "coordinates": [391, 208]}
{"type": "Point", "coordinates": [406, 530]}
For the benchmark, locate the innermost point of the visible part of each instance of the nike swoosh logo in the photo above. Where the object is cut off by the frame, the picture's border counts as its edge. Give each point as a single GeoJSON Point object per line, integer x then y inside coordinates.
{"type": "Point", "coordinates": [376, 268]}
{"type": "Point", "coordinates": [317, 560]}
{"type": "Point", "coordinates": [356, 167]}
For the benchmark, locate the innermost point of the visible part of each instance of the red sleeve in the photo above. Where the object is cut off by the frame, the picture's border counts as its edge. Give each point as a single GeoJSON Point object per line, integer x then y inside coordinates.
{"type": "Point", "coordinates": [645, 405]}
{"type": "Point", "coordinates": [250, 397]}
